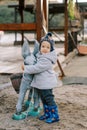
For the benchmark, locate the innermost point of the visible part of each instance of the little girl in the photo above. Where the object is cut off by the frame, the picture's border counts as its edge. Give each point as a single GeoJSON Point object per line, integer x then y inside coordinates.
{"type": "Point", "coordinates": [45, 78]}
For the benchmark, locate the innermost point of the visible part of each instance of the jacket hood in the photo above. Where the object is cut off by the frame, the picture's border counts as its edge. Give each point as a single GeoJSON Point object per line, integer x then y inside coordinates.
{"type": "Point", "coordinates": [52, 56]}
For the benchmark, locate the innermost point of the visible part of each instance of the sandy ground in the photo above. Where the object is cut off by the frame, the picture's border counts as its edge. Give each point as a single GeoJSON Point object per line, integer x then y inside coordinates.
{"type": "Point", "coordinates": [71, 100]}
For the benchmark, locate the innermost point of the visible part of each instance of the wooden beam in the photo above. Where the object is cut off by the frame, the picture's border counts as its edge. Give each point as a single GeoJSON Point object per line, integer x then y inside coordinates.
{"type": "Point", "coordinates": [18, 27]}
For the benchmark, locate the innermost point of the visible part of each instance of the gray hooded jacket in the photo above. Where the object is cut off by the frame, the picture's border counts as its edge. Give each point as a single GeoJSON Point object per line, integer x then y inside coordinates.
{"type": "Point", "coordinates": [44, 75]}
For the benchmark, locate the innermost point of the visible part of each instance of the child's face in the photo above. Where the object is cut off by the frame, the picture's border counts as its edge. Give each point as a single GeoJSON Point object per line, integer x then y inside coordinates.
{"type": "Point", "coordinates": [45, 47]}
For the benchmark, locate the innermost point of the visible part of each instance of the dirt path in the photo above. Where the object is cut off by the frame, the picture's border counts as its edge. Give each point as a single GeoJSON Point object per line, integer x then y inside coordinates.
{"type": "Point", "coordinates": [72, 102]}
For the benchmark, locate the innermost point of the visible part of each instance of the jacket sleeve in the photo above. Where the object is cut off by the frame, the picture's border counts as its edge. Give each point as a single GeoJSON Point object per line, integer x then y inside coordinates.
{"type": "Point", "coordinates": [39, 67]}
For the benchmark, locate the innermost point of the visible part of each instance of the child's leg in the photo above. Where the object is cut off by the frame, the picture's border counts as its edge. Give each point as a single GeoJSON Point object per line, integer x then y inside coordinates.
{"type": "Point", "coordinates": [25, 84]}
{"type": "Point", "coordinates": [48, 97]}
{"type": "Point", "coordinates": [51, 112]}
{"type": "Point", "coordinates": [53, 109]}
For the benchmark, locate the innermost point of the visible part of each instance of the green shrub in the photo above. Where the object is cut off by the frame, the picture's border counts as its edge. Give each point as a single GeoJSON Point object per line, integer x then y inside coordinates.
{"type": "Point", "coordinates": [7, 15]}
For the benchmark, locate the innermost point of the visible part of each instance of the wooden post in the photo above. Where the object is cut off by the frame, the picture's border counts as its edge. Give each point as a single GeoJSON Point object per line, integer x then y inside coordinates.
{"type": "Point", "coordinates": [45, 13]}
{"type": "Point", "coordinates": [66, 29]}
{"type": "Point", "coordinates": [21, 7]}
{"type": "Point", "coordinates": [15, 20]}
{"type": "Point", "coordinates": [62, 73]}
{"type": "Point", "coordinates": [38, 19]}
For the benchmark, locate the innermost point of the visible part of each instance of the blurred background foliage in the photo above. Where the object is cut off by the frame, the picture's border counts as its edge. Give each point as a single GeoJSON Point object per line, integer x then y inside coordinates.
{"type": "Point", "coordinates": [7, 15]}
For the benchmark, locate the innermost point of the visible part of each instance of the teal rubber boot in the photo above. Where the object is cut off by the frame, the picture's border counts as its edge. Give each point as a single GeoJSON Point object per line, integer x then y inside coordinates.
{"type": "Point", "coordinates": [19, 116]}
{"type": "Point", "coordinates": [22, 115]}
{"type": "Point", "coordinates": [32, 111]}
{"type": "Point", "coordinates": [28, 104]}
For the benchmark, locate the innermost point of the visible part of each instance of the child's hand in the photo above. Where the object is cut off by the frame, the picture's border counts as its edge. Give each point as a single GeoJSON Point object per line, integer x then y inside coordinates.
{"type": "Point", "coordinates": [22, 67]}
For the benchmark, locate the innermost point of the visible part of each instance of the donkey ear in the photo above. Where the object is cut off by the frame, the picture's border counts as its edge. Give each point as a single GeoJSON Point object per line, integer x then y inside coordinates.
{"type": "Point", "coordinates": [36, 48]}
{"type": "Point", "coordinates": [25, 49]}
